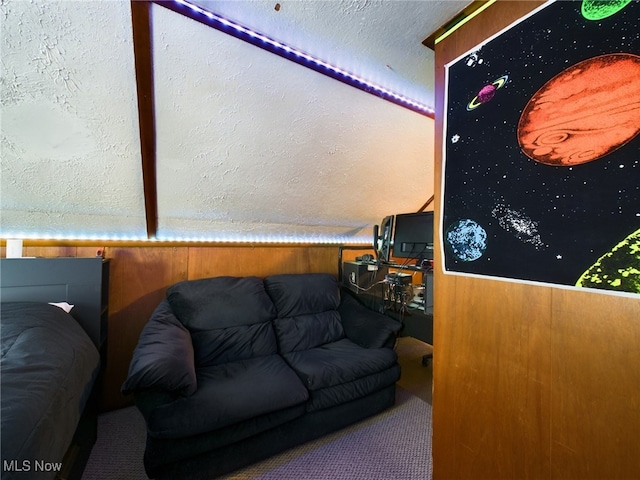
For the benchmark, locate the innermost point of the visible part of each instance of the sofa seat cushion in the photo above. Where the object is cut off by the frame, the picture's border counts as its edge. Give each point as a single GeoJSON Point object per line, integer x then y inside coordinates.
{"type": "Point", "coordinates": [340, 363]}
{"type": "Point", "coordinates": [227, 394]}
{"type": "Point", "coordinates": [339, 394]}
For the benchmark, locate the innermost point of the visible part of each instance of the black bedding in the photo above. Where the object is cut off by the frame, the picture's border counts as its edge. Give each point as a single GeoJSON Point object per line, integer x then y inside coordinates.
{"type": "Point", "coordinates": [48, 366]}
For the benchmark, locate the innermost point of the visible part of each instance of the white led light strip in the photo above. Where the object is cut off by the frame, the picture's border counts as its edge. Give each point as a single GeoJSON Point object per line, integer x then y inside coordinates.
{"type": "Point", "coordinates": [228, 238]}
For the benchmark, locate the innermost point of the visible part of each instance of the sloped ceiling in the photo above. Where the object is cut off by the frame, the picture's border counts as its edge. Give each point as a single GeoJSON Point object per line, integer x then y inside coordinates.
{"type": "Point", "coordinates": [249, 146]}
{"type": "Point", "coordinates": [70, 144]}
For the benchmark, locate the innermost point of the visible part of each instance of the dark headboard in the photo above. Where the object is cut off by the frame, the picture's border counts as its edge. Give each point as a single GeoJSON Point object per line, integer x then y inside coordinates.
{"type": "Point", "coordinates": [77, 281]}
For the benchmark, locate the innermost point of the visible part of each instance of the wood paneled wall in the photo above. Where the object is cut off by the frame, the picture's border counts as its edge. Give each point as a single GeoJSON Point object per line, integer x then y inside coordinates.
{"type": "Point", "coordinates": [139, 277]}
{"type": "Point", "coordinates": [529, 382]}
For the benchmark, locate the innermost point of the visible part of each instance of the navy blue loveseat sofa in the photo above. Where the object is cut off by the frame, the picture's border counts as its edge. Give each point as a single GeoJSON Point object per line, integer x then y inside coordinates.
{"type": "Point", "coordinates": [231, 370]}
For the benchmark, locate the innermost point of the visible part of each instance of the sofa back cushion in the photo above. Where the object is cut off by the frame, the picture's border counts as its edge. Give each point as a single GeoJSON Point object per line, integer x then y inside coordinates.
{"type": "Point", "coordinates": [230, 318]}
{"type": "Point", "coordinates": [307, 310]}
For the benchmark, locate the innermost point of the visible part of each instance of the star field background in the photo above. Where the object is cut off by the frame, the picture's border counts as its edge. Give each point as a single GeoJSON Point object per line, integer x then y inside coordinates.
{"type": "Point", "coordinates": [543, 223]}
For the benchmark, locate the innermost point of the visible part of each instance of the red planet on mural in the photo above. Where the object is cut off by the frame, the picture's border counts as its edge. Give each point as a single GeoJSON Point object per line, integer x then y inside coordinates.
{"type": "Point", "coordinates": [583, 113]}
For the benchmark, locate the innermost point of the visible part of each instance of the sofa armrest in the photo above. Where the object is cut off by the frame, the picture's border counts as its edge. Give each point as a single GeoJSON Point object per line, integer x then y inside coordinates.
{"type": "Point", "coordinates": [147, 401]}
{"type": "Point", "coordinates": [163, 358]}
{"type": "Point", "coordinates": [366, 327]}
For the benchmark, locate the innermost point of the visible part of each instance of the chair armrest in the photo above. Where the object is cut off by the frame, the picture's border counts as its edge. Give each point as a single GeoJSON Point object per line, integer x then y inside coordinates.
{"type": "Point", "coordinates": [366, 327]}
{"type": "Point", "coordinates": [163, 358]}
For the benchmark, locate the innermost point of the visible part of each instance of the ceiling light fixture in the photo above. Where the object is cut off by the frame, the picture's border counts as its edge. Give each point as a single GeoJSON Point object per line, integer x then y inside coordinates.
{"type": "Point", "coordinates": [257, 39]}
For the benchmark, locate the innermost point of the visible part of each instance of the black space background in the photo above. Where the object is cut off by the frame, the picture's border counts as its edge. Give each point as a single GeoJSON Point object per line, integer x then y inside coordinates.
{"type": "Point", "coordinates": [582, 212]}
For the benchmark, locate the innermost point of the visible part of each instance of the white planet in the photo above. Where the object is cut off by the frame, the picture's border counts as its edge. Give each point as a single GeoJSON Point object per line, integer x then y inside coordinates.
{"type": "Point", "coordinates": [467, 240]}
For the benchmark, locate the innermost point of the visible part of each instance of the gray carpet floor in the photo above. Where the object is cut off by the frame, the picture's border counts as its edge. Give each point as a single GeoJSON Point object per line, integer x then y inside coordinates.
{"type": "Point", "coordinates": [395, 444]}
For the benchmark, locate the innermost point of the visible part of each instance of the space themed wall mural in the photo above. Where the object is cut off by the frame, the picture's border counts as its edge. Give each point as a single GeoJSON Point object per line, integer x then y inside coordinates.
{"type": "Point", "coordinates": [541, 147]}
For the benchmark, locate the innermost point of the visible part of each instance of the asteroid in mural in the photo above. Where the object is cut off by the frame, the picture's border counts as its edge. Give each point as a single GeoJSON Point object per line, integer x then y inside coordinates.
{"type": "Point", "coordinates": [467, 240]}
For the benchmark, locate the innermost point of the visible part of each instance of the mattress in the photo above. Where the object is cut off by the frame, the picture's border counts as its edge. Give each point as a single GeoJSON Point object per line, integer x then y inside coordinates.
{"type": "Point", "coordinates": [48, 367]}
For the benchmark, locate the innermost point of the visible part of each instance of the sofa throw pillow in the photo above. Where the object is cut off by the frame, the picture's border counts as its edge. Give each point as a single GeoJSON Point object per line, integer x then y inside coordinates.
{"type": "Point", "coordinates": [307, 310]}
{"type": "Point", "coordinates": [229, 318]}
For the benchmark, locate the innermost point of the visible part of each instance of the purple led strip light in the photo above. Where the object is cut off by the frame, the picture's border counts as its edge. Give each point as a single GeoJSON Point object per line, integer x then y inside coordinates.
{"type": "Point", "coordinates": [206, 17]}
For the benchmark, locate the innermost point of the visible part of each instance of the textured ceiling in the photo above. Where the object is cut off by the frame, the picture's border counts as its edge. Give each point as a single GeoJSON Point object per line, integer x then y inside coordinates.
{"type": "Point", "coordinates": [378, 39]}
{"type": "Point", "coordinates": [70, 150]}
{"type": "Point", "coordinates": [249, 145]}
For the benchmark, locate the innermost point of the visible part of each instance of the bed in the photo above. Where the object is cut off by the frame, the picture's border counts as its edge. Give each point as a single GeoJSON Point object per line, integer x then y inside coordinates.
{"type": "Point", "coordinates": [49, 365]}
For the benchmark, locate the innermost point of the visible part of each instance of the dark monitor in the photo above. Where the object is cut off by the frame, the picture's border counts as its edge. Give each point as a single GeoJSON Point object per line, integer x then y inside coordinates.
{"type": "Point", "coordinates": [382, 242]}
{"type": "Point", "coordinates": [413, 236]}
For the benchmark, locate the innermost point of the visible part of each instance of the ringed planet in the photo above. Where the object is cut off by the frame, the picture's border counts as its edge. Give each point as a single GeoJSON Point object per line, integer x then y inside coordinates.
{"type": "Point", "coordinates": [487, 92]}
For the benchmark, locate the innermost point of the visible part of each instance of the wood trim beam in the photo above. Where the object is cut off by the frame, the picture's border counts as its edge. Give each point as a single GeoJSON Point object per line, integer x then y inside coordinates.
{"type": "Point", "coordinates": [429, 202]}
{"type": "Point", "coordinates": [142, 48]}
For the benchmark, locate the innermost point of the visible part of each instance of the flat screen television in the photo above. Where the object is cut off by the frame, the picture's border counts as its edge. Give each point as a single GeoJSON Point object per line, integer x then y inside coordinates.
{"type": "Point", "coordinates": [413, 236]}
